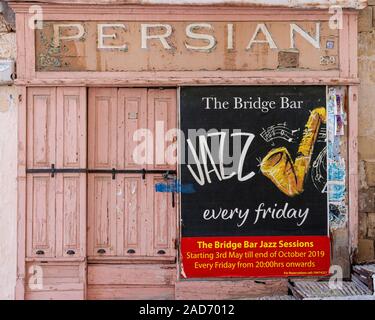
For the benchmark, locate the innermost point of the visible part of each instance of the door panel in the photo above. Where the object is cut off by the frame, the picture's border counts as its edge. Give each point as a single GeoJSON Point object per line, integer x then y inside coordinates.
{"type": "Point", "coordinates": [162, 110]}
{"type": "Point", "coordinates": [71, 188]}
{"type": "Point", "coordinates": [162, 220]}
{"type": "Point", "coordinates": [56, 205]}
{"type": "Point", "coordinates": [102, 150]}
{"type": "Point", "coordinates": [71, 215]}
{"type": "Point", "coordinates": [40, 216]}
{"type": "Point", "coordinates": [71, 128]}
{"type": "Point", "coordinates": [41, 153]}
{"type": "Point", "coordinates": [127, 218]}
{"type": "Point", "coordinates": [102, 215]}
{"type": "Point", "coordinates": [41, 127]}
{"type": "Point", "coordinates": [130, 206]}
{"type": "Point", "coordinates": [131, 118]}
{"type": "Point", "coordinates": [102, 128]}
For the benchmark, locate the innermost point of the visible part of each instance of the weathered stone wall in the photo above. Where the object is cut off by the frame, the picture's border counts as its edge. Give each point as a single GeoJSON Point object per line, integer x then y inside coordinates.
{"type": "Point", "coordinates": [8, 168]}
{"type": "Point", "coordinates": [366, 45]}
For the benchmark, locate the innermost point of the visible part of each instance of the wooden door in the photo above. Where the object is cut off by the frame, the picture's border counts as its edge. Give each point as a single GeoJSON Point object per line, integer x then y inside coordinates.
{"type": "Point", "coordinates": [41, 153]}
{"type": "Point", "coordinates": [123, 220]}
{"type": "Point", "coordinates": [71, 151]}
{"type": "Point", "coordinates": [56, 203]}
{"type": "Point", "coordinates": [101, 223]}
{"type": "Point", "coordinates": [161, 212]}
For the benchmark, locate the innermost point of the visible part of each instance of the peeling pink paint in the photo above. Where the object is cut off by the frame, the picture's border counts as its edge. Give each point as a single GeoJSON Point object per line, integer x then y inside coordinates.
{"type": "Point", "coordinates": [353, 4]}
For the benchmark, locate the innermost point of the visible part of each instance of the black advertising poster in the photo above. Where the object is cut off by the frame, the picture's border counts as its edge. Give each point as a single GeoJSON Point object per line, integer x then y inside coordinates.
{"type": "Point", "coordinates": [254, 162]}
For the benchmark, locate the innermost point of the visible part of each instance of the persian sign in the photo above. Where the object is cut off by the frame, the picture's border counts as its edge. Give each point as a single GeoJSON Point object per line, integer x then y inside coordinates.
{"type": "Point", "coordinates": [185, 46]}
{"type": "Point", "coordinates": [256, 159]}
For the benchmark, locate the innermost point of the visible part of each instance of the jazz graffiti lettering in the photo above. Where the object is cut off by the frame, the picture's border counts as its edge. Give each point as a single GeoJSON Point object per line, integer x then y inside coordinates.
{"type": "Point", "coordinates": [278, 165]}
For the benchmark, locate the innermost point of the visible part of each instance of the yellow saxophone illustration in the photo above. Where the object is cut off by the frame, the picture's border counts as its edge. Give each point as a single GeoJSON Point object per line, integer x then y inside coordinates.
{"type": "Point", "coordinates": [278, 165]}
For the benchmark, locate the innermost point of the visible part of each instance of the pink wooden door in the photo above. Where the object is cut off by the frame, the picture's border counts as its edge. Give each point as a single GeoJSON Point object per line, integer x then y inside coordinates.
{"type": "Point", "coordinates": [41, 240]}
{"type": "Point", "coordinates": [121, 215]}
{"type": "Point", "coordinates": [161, 215]}
{"type": "Point", "coordinates": [41, 189]}
{"type": "Point", "coordinates": [71, 128]}
{"type": "Point", "coordinates": [56, 206]}
{"type": "Point", "coordinates": [131, 188]}
{"type": "Point", "coordinates": [102, 131]}
{"type": "Point", "coordinates": [162, 121]}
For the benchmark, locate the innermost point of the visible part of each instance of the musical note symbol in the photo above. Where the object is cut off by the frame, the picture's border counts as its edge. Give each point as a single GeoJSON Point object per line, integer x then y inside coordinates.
{"type": "Point", "coordinates": [279, 131]}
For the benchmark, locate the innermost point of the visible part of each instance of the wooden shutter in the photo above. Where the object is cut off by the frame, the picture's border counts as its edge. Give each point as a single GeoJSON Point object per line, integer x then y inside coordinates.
{"type": "Point", "coordinates": [131, 211]}
{"type": "Point", "coordinates": [102, 155]}
{"type": "Point", "coordinates": [56, 206]}
{"type": "Point", "coordinates": [162, 110]}
{"type": "Point", "coordinates": [131, 117]}
{"type": "Point", "coordinates": [131, 188]}
{"type": "Point", "coordinates": [71, 187]}
{"type": "Point", "coordinates": [161, 216]}
{"type": "Point", "coordinates": [41, 189]}
{"type": "Point", "coordinates": [127, 218]}
{"type": "Point", "coordinates": [161, 220]}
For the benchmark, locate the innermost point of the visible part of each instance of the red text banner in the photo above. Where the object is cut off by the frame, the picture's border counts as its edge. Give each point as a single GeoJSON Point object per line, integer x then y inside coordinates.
{"type": "Point", "coordinates": [276, 256]}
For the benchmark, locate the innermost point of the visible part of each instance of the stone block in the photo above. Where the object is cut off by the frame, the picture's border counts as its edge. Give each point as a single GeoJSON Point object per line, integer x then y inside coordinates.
{"type": "Point", "coordinates": [366, 118]}
{"type": "Point", "coordinates": [366, 45]}
{"type": "Point", "coordinates": [371, 225]}
{"type": "Point", "coordinates": [365, 20]}
{"type": "Point", "coordinates": [366, 148]}
{"type": "Point", "coordinates": [362, 175]}
{"type": "Point", "coordinates": [370, 173]}
{"type": "Point", "coordinates": [366, 250]}
{"type": "Point", "coordinates": [4, 26]}
{"type": "Point", "coordinates": [8, 45]}
{"type": "Point", "coordinates": [288, 59]}
{"type": "Point", "coordinates": [9, 16]}
{"type": "Point", "coordinates": [366, 200]}
{"type": "Point", "coordinates": [362, 224]}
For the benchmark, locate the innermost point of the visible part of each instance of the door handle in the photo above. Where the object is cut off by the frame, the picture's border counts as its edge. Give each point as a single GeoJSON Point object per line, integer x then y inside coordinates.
{"type": "Point", "coordinates": [71, 252]}
{"type": "Point", "coordinates": [161, 252]}
{"type": "Point", "coordinates": [101, 251]}
{"type": "Point", "coordinates": [39, 252]}
{"type": "Point", "coordinates": [131, 251]}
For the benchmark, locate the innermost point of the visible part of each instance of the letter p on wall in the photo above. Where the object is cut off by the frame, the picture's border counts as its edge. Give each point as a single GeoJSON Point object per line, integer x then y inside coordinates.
{"type": "Point", "coordinates": [57, 37]}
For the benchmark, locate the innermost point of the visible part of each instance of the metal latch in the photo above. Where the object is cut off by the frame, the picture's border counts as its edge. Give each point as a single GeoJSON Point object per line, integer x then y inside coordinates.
{"type": "Point", "coordinates": [53, 170]}
{"type": "Point", "coordinates": [168, 176]}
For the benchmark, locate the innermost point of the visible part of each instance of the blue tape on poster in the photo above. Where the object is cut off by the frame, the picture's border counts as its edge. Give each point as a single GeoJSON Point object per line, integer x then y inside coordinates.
{"type": "Point", "coordinates": [174, 186]}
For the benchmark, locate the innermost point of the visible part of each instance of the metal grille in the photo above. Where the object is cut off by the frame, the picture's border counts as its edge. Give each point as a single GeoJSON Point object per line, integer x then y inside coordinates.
{"type": "Point", "coordinates": [321, 289]}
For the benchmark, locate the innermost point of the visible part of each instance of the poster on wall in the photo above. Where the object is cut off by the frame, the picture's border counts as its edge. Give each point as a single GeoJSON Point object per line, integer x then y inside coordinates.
{"type": "Point", "coordinates": [255, 161]}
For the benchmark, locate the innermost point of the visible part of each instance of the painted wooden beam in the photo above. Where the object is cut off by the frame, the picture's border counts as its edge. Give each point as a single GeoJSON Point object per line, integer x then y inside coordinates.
{"type": "Point", "coordinates": [353, 4]}
{"type": "Point", "coordinates": [229, 289]}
